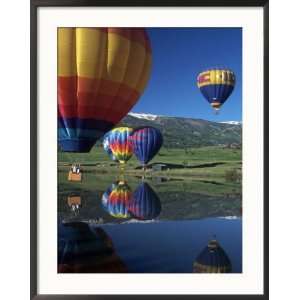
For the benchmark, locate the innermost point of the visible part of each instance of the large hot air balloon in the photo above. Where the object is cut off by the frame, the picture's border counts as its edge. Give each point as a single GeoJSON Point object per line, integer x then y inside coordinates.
{"type": "Point", "coordinates": [212, 259]}
{"type": "Point", "coordinates": [116, 200]}
{"type": "Point", "coordinates": [85, 250]}
{"type": "Point", "coordinates": [145, 204]}
{"type": "Point", "coordinates": [106, 147]}
{"type": "Point", "coordinates": [101, 74]}
{"type": "Point", "coordinates": [120, 144]}
{"type": "Point", "coordinates": [146, 143]}
{"type": "Point", "coordinates": [216, 85]}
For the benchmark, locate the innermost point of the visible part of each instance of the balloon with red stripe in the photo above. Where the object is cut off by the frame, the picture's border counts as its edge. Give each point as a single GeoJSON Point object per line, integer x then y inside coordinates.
{"type": "Point", "coordinates": [101, 74]}
{"type": "Point", "coordinates": [120, 143]}
{"type": "Point", "coordinates": [118, 200]}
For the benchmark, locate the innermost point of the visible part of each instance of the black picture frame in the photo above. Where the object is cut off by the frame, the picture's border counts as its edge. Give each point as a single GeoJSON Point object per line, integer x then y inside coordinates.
{"type": "Point", "coordinates": [35, 4]}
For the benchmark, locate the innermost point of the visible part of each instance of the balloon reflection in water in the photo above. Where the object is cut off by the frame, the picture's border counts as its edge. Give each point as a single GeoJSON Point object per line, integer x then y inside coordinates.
{"type": "Point", "coordinates": [82, 249]}
{"type": "Point", "coordinates": [74, 202]}
{"type": "Point", "coordinates": [213, 259]}
{"type": "Point", "coordinates": [145, 204]}
{"type": "Point", "coordinates": [116, 198]}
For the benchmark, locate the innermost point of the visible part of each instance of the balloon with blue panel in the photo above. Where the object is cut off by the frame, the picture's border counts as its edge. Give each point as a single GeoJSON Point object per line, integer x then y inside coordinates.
{"type": "Point", "coordinates": [102, 72]}
{"type": "Point", "coordinates": [106, 146]}
{"type": "Point", "coordinates": [116, 200]}
{"type": "Point", "coordinates": [146, 142]}
{"type": "Point", "coordinates": [216, 85]}
{"type": "Point", "coordinates": [145, 204]}
{"type": "Point", "coordinates": [212, 259]}
{"type": "Point", "coordinates": [120, 143]}
{"type": "Point", "coordinates": [86, 249]}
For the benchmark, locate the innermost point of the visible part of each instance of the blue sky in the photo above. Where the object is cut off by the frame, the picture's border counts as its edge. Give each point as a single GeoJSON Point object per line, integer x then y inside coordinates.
{"type": "Point", "coordinates": [179, 55]}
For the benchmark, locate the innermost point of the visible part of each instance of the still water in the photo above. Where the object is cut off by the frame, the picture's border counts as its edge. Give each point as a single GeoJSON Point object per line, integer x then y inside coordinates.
{"type": "Point", "coordinates": [149, 226]}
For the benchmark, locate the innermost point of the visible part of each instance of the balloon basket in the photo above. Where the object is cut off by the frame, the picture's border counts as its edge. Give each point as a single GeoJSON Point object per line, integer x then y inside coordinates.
{"type": "Point", "coordinates": [74, 176]}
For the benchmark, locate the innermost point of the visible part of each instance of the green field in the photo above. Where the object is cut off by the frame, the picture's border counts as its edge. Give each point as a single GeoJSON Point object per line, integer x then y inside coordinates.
{"type": "Point", "coordinates": [213, 163]}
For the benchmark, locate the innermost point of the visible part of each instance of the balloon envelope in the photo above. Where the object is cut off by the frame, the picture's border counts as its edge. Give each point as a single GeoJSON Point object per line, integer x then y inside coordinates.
{"type": "Point", "coordinates": [116, 200]}
{"type": "Point", "coordinates": [213, 259]}
{"type": "Point", "coordinates": [106, 147]}
{"type": "Point", "coordinates": [120, 144]}
{"type": "Point", "coordinates": [101, 74]}
{"type": "Point", "coordinates": [145, 204]}
{"type": "Point", "coordinates": [83, 250]}
{"type": "Point", "coordinates": [216, 85]}
{"type": "Point", "coordinates": [146, 143]}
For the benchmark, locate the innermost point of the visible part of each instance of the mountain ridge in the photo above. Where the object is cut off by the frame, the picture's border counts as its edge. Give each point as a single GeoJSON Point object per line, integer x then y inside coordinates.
{"type": "Point", "coordinates": [180, 132]}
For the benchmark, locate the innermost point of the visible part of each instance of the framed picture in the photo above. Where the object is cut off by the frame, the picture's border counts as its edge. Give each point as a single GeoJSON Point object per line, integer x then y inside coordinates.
{"type": "Point", "coordinates": [149, 149]}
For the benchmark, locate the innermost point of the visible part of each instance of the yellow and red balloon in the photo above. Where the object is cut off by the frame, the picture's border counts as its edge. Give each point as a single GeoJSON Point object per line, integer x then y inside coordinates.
{"type": "Point", "coordinates": [101, 74]}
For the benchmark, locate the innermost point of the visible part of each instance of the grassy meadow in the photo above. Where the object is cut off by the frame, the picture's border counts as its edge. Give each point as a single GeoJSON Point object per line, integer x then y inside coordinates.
{"type": "Point", "coordinates": [212, 163]}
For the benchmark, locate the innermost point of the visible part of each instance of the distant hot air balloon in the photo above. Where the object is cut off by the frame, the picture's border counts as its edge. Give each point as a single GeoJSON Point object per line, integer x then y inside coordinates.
{"type": "Point", "coordinates": [145, 204]}
{"type": "Point", "coordinates": [116, 200]}
{"type": "Point", "coordinates": [101, 74]}
{"type": "Point", "coordinates": [212, 259]}
{"type": "Point", "coordinates": [120, 144]}
{"type": "Point", "coordinates": [106, 147]}
{"type": "Point", "coordinates": [82, 250]}
{"type": "Point", "coordinates": [146, 143]}
{"type": "Point", "coordinates": [216, 85]}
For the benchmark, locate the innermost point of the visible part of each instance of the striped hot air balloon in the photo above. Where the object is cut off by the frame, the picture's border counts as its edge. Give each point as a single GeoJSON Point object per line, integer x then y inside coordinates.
{"type": "Point", "coordinates": [85, 250]}
{"type": "Point", "coordinates": [101, 75]}
{"type": "Point", "coordinates": [145, 204]}
{"type": "Point", "coordinates": [146, 143]}
{"type": "Point", "coordinates": [216, 85]}
{"type": "Point", "coordinates": [213, 259]}
{"type": "Point", "coordinates": [120, 143]}
{"type": "Point", "coordinates": [117, 202]}
{"type": "Point", "coordinates": [106, 147]}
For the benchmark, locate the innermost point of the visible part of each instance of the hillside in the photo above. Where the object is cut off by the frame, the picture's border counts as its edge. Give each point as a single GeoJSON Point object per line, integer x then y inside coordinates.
{"type": "Point", "coordinates": [187, 132]}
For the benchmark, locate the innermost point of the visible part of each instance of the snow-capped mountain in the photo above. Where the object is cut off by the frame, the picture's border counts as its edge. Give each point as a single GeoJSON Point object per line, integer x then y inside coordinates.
{"type": "Point", "coordinates": [187, 132]}
{"type": "Point", "coordinates": [143, 116]}
{"type": "Point", "coordinates": [232, 122]}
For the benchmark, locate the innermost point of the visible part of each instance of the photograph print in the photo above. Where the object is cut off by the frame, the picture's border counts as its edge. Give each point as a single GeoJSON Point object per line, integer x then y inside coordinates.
{"type": "Point", "coordinates": [149, 150]}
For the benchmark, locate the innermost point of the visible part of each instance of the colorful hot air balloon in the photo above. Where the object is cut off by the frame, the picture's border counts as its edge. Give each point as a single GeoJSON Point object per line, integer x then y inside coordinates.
{"type": "Point", "coordinates": [101, 74]}
{"type": "Point", "coordinates": [212, 259]}
{"type": "Point", "coordinates": [82, 250]}
{"type": "Point", "coordinates": [145, 204]}
{"type": "Point", "coordinates": [106, 147]}
{"type": "Point", "coordinates": [117, 202]}
{"type": "Point", "coordinates": [105, 195]}
{"type": "Point", "coordinates": [146, 143]}
{"type": "Point", "coordinates": [216, 85]}
{"type": "Point", "coordinates": [120, 144]}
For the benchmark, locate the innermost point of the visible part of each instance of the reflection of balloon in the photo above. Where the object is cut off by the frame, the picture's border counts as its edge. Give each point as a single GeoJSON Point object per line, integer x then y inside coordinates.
{"type": "Point", "coordinates": [145, 204]}
{"type": "Point", "coordinates": [101, 74]}
{"type": "Point", "coordinates": [74, 202]}
{"type": "Point", "coordinates": [120, 143]}
{"type": "Point", "coordinates": [212, 259]}
{"type": "Point", "coordinates": [216, 86]}
{"type": "Point", "coordinates": [146, 143]}
{"type": "Point", "coordinates": [82, 250]}
{"type": "Point", "coordinates": [105, 196]}
{"type": "Point", "coordinates": [106, 147]}
{"type": "Point", "coordinates": [116, 200]}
